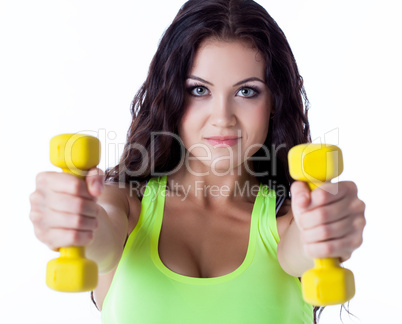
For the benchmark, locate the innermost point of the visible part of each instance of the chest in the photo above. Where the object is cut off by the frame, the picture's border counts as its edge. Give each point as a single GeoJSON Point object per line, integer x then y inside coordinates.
{"type": "Point", "coordinates": [203, 243]}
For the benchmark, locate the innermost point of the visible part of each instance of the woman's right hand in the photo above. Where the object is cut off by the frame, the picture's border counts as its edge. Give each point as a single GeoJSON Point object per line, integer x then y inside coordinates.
{"type": "Point", "coordinates": [64, 209]}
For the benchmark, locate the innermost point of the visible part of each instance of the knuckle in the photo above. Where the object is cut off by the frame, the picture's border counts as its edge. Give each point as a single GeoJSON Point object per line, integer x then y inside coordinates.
{"type": "Point", "coordinates": [35, 198]}
{"type": "Point", "coordinates": [74, 237]}
{"type": "Point", "coordinates": [37, 219]}
{"type": "Point", "coordinates": [322, 196]}
{"type": "Point", "coordinates": [53, 247]}
{"type": "Point", "coordinates": [34, 217]}
{"type": "Point", "coordinates": [79, 238]}
{"type": "Point", "coordinates": [358, 241]}
{"type": "Point", "coordinates": [32, 198]}
{"type": "Point", "coordinates": [86, 238]}
{"type": "Point", "coordinates": [322, 215]}
{"type": "Point", "coordinates": [41, 179]}
{"type": "Point", "coordinates": [352, 187]}
{"type": "Point", "coordinates": [357, 206]}
{"type": "Point", "coordinates": [359, 223]}
{"type": "Point", "coordinates": [346, 257]}
{"type": "Point", "coordinates": [325, 232]}
{"type": "Point", "coordinates": [362, 206]}
{"type": "Point", "coordinates": [78, 205]}
{"type": "Point", "coordinates": [91, 223]}
{"type": "Point", "coordinates": [77, 221]}
{"type": "Point", "coordinates": [39, 234]}
{"type": "Point", "coordinates": [90, 236]}
{"type": "Point", "coordinates": [75, 185]}
{"type": "Point", "coordinates": [328, 249]}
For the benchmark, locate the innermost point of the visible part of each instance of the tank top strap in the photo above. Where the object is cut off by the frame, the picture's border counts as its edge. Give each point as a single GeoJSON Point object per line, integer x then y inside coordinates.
{"type": "Point", "coordinates": [161, 193]}
{"type": "Point", "coordinates": [153, 189]}
{"type": "Point", "coordinates": [267, 225]}
{"type": "Point", "coordinates": [148, 214]}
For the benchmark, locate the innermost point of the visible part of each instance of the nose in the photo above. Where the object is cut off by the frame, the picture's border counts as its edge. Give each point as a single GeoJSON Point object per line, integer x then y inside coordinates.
{"type": "Point", "coordinates": [222, 114]}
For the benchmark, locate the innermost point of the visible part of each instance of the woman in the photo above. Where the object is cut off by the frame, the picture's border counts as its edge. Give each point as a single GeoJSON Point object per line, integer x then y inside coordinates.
{"type": "Point", "coordinates": [195, 224]}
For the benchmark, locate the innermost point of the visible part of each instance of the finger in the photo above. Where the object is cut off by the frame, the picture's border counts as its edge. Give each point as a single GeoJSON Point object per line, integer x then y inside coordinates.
{"type": "Point", "coordinates": [339, 248]}
{"type": "Point", "coordinates": [36, 217]}
{"type": "Point", "coordinates": [324, 215]}
{"type": "Point", "coordinates": [329, 193]}
{"type": "Point", "coordinates": [58, 238]}
{"type": "Point", "coordinates": [330, 231]}
{"type": "Point", "coordinates": [36, 200]}
{"type": "Point", "coordinates": [330, 249]}
{"type": "Point", "coordinates": [71, 221]}
{"type": "Point", "coordinates": [60, 202]}
{"type": "Point", "coordinates": [63, 183]}
{"type": "Point", "coordinates": [332, 212]}
{"type": "Point", "coordinates": [95, 181]}
{"type": "Point", "coordinates": [300, 197]}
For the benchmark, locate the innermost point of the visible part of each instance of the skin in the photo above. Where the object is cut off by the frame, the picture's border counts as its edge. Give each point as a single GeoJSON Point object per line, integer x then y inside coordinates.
{"type": "Point", "coordinates": [212, 239]}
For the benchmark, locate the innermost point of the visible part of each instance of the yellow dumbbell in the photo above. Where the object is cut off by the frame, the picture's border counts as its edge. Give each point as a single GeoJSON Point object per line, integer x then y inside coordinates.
{"type": "Point", "coordinates": [72, 272]}
{"type": "Point", "coordinates": [327, 283]}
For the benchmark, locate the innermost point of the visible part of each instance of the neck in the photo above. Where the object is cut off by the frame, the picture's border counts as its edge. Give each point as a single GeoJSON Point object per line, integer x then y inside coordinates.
{"type": "Point", "coordinates": [208, 187]}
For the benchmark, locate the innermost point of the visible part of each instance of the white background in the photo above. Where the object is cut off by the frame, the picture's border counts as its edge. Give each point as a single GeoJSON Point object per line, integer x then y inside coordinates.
{"type": "Point", "coordinates": [73, 66]}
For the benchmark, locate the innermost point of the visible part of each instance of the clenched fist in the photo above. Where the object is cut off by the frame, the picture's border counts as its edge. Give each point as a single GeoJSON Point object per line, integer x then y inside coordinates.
{"type": "Point", "coordinates": [330, 219]}
{"type": "Point", "coordinates": [63, 208]}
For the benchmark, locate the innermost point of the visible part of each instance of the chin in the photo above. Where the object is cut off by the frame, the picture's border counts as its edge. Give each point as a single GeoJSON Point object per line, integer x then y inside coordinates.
{"type": "Point", "coordinates": [224, 167]}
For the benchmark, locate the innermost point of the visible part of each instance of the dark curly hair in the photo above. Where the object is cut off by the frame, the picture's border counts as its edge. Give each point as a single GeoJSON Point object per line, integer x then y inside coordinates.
{"type": "Point", "coordinates": [158, 106]}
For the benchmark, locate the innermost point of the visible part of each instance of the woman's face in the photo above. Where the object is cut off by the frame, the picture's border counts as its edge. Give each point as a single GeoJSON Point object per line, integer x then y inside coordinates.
{"type": "Point", "coordinates": [227, 105]}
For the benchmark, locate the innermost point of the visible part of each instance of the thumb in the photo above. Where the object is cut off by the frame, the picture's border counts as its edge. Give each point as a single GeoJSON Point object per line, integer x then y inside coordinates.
{"type": "Point", "coordinates": [300, 197]}
{"type": "Point", "coordinates": [95, 181]}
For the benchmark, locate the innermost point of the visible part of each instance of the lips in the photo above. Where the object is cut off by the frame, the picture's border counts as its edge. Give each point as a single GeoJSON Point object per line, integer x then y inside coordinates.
{"type": "Point", "coordinates": [223, 141]}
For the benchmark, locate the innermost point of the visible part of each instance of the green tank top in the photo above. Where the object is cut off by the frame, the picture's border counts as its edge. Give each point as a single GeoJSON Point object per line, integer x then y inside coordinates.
{"type": "Point", "coordinates": [145, 291]}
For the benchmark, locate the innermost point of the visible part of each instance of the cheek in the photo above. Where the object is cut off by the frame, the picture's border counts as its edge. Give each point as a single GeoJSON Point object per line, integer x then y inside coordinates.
{"type": "Point", "coordinates": [257, 130]}
{"type": "Point", "coordinates": [187, 127]}
{"type": "Point", "coordinates": [260, 121]}
{"type": "Point", "coordinates": [193, 118]}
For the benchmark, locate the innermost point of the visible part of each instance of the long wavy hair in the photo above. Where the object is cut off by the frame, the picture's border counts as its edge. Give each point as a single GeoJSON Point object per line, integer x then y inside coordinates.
{"type": "Point", "coordinates": [153, 146]}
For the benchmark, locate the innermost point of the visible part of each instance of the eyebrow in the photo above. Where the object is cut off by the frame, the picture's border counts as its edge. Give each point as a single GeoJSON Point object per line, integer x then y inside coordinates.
{"type": "Point", "coordinates": [193, 77]}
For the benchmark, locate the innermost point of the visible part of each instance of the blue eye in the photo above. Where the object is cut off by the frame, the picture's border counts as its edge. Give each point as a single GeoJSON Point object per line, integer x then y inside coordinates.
{"type": "Point", "coordinates": [248, 92]}
{"type": "Point", "coordinates": [198, 91]}
{"type": "Point", "coordinates": [245, 92]}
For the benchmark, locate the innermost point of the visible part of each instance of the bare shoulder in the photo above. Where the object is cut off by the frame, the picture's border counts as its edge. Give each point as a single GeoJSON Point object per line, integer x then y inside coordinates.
{"type": "Point", "coordinates": [284, 217]}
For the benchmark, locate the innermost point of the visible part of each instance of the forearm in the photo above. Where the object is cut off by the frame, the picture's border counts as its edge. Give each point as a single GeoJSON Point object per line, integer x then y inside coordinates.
{"type": "Point", "coordinates": [291, 254]}
{"type": "Point", "coordinates": [107, 245]}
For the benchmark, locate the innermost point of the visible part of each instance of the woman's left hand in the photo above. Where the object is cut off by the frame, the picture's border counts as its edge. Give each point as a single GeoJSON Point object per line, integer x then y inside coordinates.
{"type": "Point", "coordinates": [330, 219]}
